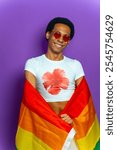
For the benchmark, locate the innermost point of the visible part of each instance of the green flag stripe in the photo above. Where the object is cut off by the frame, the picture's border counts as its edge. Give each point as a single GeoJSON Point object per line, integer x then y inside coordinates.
{"type": "Point", "coordinates": [97, 146]}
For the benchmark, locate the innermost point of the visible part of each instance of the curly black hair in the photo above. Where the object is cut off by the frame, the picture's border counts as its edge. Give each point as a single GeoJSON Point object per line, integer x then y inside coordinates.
{"type": "Point", "coordinates": [65, 21]}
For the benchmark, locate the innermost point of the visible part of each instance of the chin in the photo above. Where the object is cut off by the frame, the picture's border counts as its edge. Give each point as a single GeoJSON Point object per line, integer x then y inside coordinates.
{"type": "Point", "coordinates": [57, 51]}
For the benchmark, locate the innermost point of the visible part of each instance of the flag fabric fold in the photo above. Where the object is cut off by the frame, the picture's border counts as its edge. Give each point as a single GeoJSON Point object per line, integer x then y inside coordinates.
{"type": "Point", "coordinates": [40, 128]}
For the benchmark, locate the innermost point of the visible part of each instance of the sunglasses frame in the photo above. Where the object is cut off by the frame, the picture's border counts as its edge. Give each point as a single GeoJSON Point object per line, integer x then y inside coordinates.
{"type": "Point", "coordinates": [65, 37]}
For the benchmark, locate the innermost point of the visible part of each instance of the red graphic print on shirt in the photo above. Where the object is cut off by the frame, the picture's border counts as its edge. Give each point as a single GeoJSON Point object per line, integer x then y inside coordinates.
{"type": "Point", "coordinates": [55, 81]}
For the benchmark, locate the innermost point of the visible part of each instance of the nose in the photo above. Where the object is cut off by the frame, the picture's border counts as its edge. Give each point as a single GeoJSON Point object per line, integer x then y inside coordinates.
{"type": "Point", "coordinates": [61, 39]}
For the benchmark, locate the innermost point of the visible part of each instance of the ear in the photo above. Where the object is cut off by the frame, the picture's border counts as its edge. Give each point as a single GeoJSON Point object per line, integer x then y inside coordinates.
{"type": "Point", "coordinates": [47, 35]}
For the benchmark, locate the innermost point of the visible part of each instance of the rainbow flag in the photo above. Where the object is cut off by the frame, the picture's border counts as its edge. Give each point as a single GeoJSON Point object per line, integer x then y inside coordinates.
{"type": "Point", "coordinates": [40, 128]}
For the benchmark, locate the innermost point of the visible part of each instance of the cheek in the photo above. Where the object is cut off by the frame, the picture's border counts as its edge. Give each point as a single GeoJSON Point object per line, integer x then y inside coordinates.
{"type": "Point", "coordinates": [66, 44]}
{"type": "Point", "coordinates": [50, 41]}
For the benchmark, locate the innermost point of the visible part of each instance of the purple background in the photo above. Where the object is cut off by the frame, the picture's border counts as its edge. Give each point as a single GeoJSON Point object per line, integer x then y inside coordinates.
{"type": "Point", "coordinates": [22, 27]}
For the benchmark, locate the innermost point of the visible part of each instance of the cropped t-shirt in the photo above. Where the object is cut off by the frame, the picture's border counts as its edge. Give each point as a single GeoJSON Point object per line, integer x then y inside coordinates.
{"type": "Point", "coordinates": [55, 79]}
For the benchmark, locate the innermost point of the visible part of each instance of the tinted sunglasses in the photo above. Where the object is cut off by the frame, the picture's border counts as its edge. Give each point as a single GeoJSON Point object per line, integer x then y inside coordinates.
{"type": "Point", "coordinates": [57, 35]}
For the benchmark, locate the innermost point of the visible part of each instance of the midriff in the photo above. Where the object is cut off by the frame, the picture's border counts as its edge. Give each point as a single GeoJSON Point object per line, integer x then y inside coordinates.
{"type": "Point", "coordinates": [57, 106]}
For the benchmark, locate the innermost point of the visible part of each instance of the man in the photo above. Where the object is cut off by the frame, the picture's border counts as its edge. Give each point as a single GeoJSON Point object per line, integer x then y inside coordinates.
{"type": "Point", "coordinates": [63, 105]}
{"type": "Point", "coordinates": [59, 33]}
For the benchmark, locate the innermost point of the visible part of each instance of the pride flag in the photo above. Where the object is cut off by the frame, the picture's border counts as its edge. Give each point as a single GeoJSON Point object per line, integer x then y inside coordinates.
{"type": "Point", "coordinates": [40, 128]}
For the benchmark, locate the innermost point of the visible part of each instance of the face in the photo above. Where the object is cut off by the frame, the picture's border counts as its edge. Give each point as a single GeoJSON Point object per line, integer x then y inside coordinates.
{"type": "Point", "coordinates": [58, 38]}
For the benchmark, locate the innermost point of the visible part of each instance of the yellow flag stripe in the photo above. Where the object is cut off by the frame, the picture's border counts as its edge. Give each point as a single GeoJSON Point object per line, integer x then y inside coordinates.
{"type": "Point", "coordinates": [29, 141]}
{"type": "Point", "coordinates": [89, 141]}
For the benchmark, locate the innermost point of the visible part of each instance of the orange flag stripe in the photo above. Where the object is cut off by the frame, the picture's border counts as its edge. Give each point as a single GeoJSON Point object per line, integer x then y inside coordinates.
{"type": "Point", "coordinates": [89, 141]}
{"type": "Point", "coordinates": [84, 121]}
{"type": "Point", "coordinates": [43, 127]}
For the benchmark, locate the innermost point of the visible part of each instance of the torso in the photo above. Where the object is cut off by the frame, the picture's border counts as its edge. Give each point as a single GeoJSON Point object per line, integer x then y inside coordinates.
{"type": "Point", "coordinates": [55, 80]}
{"type": "Point", "coordinates": [57, 106]}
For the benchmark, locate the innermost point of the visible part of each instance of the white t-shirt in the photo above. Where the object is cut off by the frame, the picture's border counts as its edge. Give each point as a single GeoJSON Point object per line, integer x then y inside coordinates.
{"type": "Point", "coordinates": [55, 79]}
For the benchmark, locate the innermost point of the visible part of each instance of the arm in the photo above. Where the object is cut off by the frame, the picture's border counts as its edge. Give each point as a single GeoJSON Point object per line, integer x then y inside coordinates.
{"type": "Point", "coordinates": [31, 78]}
{"type": "Point", "coordinates": [77, 82]}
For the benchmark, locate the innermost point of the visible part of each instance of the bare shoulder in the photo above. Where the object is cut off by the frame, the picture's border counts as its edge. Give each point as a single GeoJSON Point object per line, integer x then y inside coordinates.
{"type": "Point", "coordinates": [30, 77]}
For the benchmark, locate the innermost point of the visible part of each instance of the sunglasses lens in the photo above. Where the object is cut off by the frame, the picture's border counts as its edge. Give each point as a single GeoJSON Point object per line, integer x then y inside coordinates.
{"type": "Point", "coordinates": [66, 38]}
{"type": "Point", "coordinates": [57, 35]}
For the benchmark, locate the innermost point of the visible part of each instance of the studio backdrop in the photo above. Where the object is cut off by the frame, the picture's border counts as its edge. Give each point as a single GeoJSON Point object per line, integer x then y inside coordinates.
{"type": "Point", "coordinates": [22, 36]}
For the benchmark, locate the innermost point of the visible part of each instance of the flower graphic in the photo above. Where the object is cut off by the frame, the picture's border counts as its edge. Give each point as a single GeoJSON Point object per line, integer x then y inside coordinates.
{"type": "Point", "coordinates": [55, 81]}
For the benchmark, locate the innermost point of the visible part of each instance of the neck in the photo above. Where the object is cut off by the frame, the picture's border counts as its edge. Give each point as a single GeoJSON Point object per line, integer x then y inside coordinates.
{"type": "Point", "coordinates": [55, 57]}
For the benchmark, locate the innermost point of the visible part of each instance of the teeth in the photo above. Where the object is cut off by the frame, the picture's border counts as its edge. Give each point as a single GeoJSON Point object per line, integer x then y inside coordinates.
{"type": "Point", "coordinates": [58, 45]}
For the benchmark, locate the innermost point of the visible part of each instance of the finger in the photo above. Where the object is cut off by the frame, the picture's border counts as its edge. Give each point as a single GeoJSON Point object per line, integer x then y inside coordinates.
{"type": "Point", "coordinates": [64, 115]}
{"type": "Point", "coordinates": [66, 118]}
{"type": "Point", "coordinates": [69, 121]}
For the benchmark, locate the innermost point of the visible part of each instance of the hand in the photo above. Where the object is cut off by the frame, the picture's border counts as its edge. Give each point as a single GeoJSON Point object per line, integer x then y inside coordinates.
{"type": "Point", "coordinates": [66, 118]}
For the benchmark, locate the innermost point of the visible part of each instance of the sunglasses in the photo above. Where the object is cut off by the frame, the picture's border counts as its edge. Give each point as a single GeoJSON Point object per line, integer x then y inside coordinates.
{"type": "Point", "coordinates": [57, 35]}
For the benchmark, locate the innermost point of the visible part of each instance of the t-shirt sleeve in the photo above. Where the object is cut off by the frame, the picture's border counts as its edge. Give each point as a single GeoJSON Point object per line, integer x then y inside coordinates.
{"type": "Point", "coordinates": [29, 66]}
{"type": "Point", "coordinates": [79, 72]}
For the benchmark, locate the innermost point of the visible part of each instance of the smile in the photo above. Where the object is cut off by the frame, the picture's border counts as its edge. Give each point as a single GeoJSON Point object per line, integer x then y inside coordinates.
{"type": "Point", "coordinates": [58, 45]}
